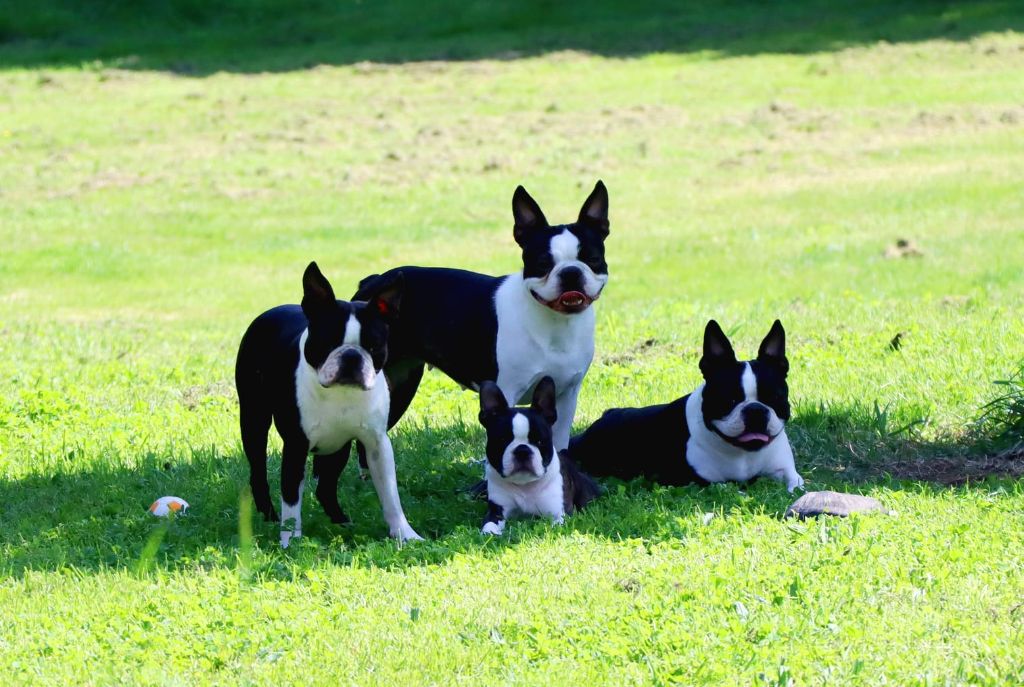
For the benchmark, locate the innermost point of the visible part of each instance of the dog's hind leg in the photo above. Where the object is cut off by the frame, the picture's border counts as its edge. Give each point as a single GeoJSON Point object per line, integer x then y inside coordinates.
{"type": "Point", "coordinates": [326, 470]}
{"type": "Point", "coordinates": [254, 420]}
{"type": "Point", "coordinates": [403, 379]}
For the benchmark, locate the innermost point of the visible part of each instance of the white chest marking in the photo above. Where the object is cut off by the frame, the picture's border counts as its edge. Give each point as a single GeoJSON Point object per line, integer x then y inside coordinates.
{"type": "Point", "coordinates": [533, 341]}
{"type": "Point", "coordinates": [332, 416]}
{"type": "Point", "coordinates": [352, 330]}
{"type": "Point", "coordinates": [565, 247]}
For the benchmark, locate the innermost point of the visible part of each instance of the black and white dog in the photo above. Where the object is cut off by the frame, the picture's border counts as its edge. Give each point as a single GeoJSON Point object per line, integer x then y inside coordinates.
{"type": "Point", "coordinates": [316, 370]}
{"type": "Point", "coordinates": [732, 428]}
{"type": "Point", "coordinates": [513, 330]}
{"type": "Point", "coordinates": [524, 472]}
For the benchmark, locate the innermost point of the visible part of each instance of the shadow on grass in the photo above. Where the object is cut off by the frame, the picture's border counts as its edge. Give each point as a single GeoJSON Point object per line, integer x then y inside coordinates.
{"type": "Point", "coordinates": [199, 37]}
{"type": "Point", "coordinates": [97, 519]}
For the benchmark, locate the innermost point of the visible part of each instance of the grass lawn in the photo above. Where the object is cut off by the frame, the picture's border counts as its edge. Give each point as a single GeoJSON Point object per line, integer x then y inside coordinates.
{"type": "Point", "coordinates": [163, 182]}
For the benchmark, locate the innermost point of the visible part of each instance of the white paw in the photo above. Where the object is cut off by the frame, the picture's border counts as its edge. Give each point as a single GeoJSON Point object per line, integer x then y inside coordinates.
{"type": "Point", "coordinates": [288, 535]}
{"type": "Point", "coordinates": [558, 520]}
{"type": "Point", "coordinates": [495, 528]}
{"type": "Point", "coordinates": [405, 533]}
{"type": "Point", "coordinates": [794, 483]}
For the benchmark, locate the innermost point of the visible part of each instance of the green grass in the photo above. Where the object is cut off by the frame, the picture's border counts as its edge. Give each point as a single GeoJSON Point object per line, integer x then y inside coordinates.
{"type": "Point", "coordinates": [759, 167]}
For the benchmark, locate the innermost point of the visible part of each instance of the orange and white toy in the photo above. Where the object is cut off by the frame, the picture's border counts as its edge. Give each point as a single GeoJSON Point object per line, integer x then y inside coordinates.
{"type": "Point", "coordinates": [165, 505]}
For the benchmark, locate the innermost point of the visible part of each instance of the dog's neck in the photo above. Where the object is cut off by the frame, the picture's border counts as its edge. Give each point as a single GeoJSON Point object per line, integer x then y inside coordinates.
{"type": "Point", "coordinates": [558, 329]}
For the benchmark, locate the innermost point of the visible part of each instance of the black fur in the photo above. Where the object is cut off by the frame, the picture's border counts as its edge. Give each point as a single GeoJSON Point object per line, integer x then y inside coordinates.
{"type": "Point", "coordinates": [651, 442]}
{"type": "Point", "coordinates": [448, 318]}
{"type": "Point", "coordinates": [265, 378]}
{"type": "Point", "coordinates": [578, 488]}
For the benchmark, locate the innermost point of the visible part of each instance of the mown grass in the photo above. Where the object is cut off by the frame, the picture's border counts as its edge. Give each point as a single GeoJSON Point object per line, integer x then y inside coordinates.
{"type": "Point", "coordinates": [149, 212]}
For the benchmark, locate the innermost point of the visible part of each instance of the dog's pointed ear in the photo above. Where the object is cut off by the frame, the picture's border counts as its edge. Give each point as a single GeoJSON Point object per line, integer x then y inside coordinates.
{"type": "Point", "coordinates": [316, 290]}
{"type": "Point", "coordinates": [595, 209]}
{"type": "Point", "coordinates": [492, 401]}
{"type": "Point", "coordinates": [386, 297]}
{"type": "Point", "coordinates": [527, 215]}
{"type": "Point", "coordinates": [717, 349]}
{"type": "Point", "coordinates": [773, 348]}
{"type": "Point", "coordinates": [544, 400]}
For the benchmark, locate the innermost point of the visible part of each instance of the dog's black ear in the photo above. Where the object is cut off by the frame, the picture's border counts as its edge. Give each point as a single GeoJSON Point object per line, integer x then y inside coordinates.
{"type": "Point", "coordinates": [316, 290]}
{"type": "Point", "coordinates": [595, 209]}
{"type": "Point", "coordinates": [527, 214]}
{"type": "Point", "coordinates": [492, 401]}
{"type": "Point", "coordinates": [773, 348]}
{"type": "Point", "coordinates": [544, 400]}
{"type": "Point", "coordinates": [386, 297]}
{"type": "Point", "coordinates": [717, 349]}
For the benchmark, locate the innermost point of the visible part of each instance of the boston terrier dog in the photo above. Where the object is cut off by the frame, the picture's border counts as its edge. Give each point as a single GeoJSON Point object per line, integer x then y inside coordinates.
{"type": "Point", "coordinates": [514, 329]}
{"type": "Point", "coordinates": [525, 474]}
{"type": "Point", "coordinates": [732, 428]}
{"type": "Point", "coordinates": [316, 370]}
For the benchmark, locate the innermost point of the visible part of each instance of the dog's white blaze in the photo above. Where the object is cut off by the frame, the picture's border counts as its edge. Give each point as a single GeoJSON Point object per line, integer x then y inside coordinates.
{"type": "Point", "coordinates": [749, 383]}
{"type": "Point", "coordinates": [732, 424]}
{"type": "Point", "coordinates": [352, 330]}
{"type": "Point", "coordinates": [565, 247]}
{"type": "Point", "coordinates": [520, 428]}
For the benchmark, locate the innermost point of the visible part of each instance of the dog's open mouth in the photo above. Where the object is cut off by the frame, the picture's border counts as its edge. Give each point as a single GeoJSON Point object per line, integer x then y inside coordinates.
{"type": "Point", "coordinates": [753, 440]}
{"type": "Point", "coordinates": [753, 436]}
{"type": "Point", "coordinates": [568, 302]}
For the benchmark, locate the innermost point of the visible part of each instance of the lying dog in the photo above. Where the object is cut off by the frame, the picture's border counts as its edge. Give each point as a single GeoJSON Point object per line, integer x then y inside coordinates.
{"type": "Point", "coordinates": [732, 428]}
{"type": "Point", "coordinates": [513, 329]}
{"type": "Point", "coordinates": [524, 472]}
{"type": "Point", "coordinates": [316, 370]}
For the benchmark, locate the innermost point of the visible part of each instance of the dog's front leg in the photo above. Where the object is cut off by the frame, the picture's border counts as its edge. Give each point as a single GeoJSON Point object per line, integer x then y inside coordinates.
{"type": "Point", "coordinates": [565, 405]}
{"type": "Point", "coordinates": [293, 473]}
{"type": "Point", "coordinates": [494, 522]}
{"type": "Point", "coordinates": [793, 480]}
{"type": "Point", "coordinates": [788, 475]}
{"type": "Point", "coordinates": [380, 459]}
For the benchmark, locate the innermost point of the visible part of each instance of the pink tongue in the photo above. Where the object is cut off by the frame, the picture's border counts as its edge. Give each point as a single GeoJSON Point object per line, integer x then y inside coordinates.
{"type": "Point", "coordinates": [753, 436]}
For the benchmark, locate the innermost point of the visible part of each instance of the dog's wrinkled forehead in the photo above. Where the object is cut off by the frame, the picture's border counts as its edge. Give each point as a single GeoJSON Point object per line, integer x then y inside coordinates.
{"type": "Point", "coordinates": [347, 324]}
{"type": "Point", "coordinates": [742, 383]}
{"type": "Point", "coordinates": [328, 329]}
{"type": "Point", "coordinates": [519, 426]}
{"type": "Point", "coordinates": [562, 244]}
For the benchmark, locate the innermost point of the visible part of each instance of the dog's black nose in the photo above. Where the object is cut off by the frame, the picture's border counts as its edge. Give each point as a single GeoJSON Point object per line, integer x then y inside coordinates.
{"type": "Point", "coordinates": [351, 363]}
{"type": "Point", "coordinates": [571, 278]}
{"type": "Point", "coordinates": [755, 417]}
{"type": "Point", "coordinates": [522, 454]}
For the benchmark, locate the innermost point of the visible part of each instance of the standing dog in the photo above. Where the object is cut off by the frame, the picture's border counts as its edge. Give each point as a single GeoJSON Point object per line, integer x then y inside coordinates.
{"type": "Point", "coordinates": [524, 472]}
{"type": "Point", "coordinates": [514, 329]}
{"type": "Point", "coordinates": [316, 370]}
{"type": "Point", "coordinates": [732, 428]}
